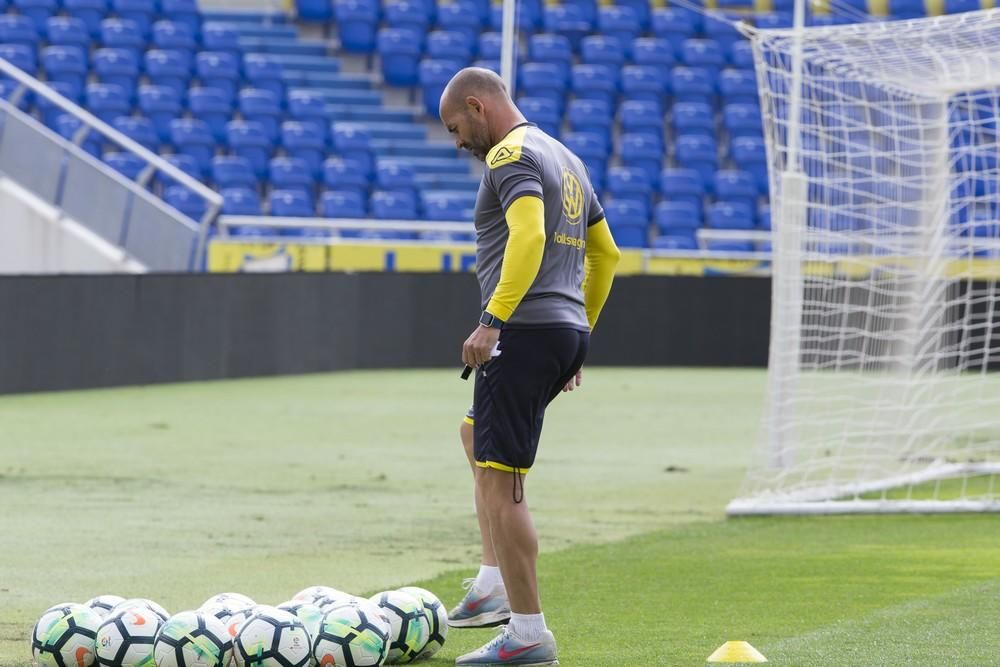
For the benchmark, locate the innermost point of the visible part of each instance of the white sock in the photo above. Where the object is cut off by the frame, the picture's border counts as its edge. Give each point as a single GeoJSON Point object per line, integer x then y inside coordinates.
{"type": "Point", "coordinates": [488, 578]}
{"type": "Point", "coordinates": [527, 627]}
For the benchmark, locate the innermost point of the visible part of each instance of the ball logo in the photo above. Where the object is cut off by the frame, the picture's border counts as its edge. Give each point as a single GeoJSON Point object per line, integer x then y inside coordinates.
{"type": "Point", "coordinates": [81, 656]}
{"type": "Point", "coordinates": [572, 197]}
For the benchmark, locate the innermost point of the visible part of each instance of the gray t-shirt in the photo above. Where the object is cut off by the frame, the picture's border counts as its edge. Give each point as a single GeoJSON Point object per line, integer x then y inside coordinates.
{"type": "Point", "coordinates": [528, 162]}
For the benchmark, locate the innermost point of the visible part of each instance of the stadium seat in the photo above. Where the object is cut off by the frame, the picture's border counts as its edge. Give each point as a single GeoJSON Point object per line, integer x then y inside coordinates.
{"type": "Point", "coordinates": [218, 69]}
{"type": "Point", "coordinates": [693, 118]}
{"type": "Point", "coordinates": [592, 149]}
{"type": "Point", "coordinates": [640, 116]}
{"type": "Point", "coordinates": [704, 53]}
{"type": "Point", "coordinates": [22, 56]}
{"type": "Point", "coordinates": [348, 138]}
{"type": "Point", "coordinates": [211, 106]}
{"type": "Point", "coordinates": [305, 140]}
{"type": "Point", "coordinates": [51, 111]}
{"type": "Point", "coordinates": [240, 201]}
{"type": "Point", "coordinates": [543, 79]}
{"type": "Point", "coordinates": [191, 136]}
{"type": "Point", "coordinates": [644, 151]}
{"type": "Point", "coordinates": [221, 38]}
{"type": "Point", "coordinates": [185, 163]}
{"type": "Point", "coordinates": [68, 31]}
{"type": "Point", "coordinates": [907, 9]}
{"type": "Point", "coordinates": [399, 50]}
{"type": "Point", "coordinates": [569, 20]}
{"type": "Point", "coordinates": [749, 154]}
{"type": "Point", "coordinates": [742, 120]}
{"type": "Point", "coordinates": [15, 29]}
{"type": "Point", "coordinates": [106, 101]}
{"type": "Point", "coordinates": [489, 45]}
{"type": "Point", "coordinates": [119, 67]}
{"type": "Point", "coordinates": [590, 116]}
{"type": "Point", "coordinates": [140, 12]}
{"type": "Point", "coordinates": [127, 164]}
{"type": "Point", "coordinates": [735, 185]}
{"type": "Point", "coordinates": [677, 217]}
{"type": "Point", "coordinates": [602, 50]}
{"type": "Point", "coordinates": [65, 64]}
{"type": "Point", "coordinates": [356, 21]}
{"type": "Point", "coordinates": [442, 206]}
{"type": "Point", "coordinates": [675, 242]}
{"type": "Point", "coordinates": [394, 205]}
{"type": "Point", "coordinates": [434, 75]}
{"type": "Point", "coordinates": [700, 153]}
{"type": "Point", "coordinates": [542, 112]}
{"type": "Point", "coordinates": [629, 183]}
{"type": "Point", "coordinates": [462, 17]}
{"type": "Point", "coordinates": [182, 11]}
{"type": "Point", "coordinates": [730, 215]}
{"type": "Point", "coordinates": [405, 14]}
{"type": "Point", "coordinates": [551, 48]}
{"type": "Point", "coordinates": [138, 129]}
{"type": "Point", "coordinates": [449, 45]}
{"type": "Point", "coordinates": [290, 204]}
{"type": "Point", "coordinates": [682, 185]}
{"type": "Point", "coordinates": [692, 84]}
{"type": "Point", "coordinates": [738, 86]}
{"type": "Point", "coordinates": [619, 21]}
{"type": "Point", "coordinates": [67, 126]}
{"type": "Point", "coordinates": [264, 107]}
{"type": "Point", "coordinates": [654, 51]}
{"type": "Point", "coordinates": [595, 82]}
{"type": "Point", "coordinates": [764, 217]}
{"type": "Point", "coordinates": [229, 171]}
{"type": "Point", "coordinates": [185, 201]}
{"type": "Point", "coordinates": [771, 20]}
{"type": "Point", "coordinates": [246, 138]}
{"type": "Point", "coordinates": [91, 12]}
{"type": "Point", "coordinates": [169, 68]}
{"type": "Point", "coordinates": [342, 204]}
{"type": "Point", "coordinates": [161, 104]}
{"type": "Point", "coordinates": [720, 28]}
{"type": "Point", "coordinates": [343, 175]}
{"type": "Point", "coordinates": [39, 11]}
{"type": "Point", "coordinates": [122, 34]}
{"type": "Point", "coordinates": [957, 6]}
{"type": "Point", "coordinates": [264, 72]}
{"type": "Point", "coordinates": [308, 105]}
{"type": "Point", "coordinates": [675, 25]}
{"type": "Point", "coordinates": [395, 175]}
{"type": "Point", "coordinates": [629, 222]}
{"type": "Point", "coordinates": [313, 11]}
{"type": "Point", "coordinates": [291, 173]}
{"type": "Point", "coordinates": [741, 55]}
{"type": "Point", "coordinates": [645, 82]}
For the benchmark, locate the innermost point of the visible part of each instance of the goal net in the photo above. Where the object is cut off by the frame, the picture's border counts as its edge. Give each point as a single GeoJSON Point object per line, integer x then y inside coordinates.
{"type": "Point", "coordinates": [883, 393]}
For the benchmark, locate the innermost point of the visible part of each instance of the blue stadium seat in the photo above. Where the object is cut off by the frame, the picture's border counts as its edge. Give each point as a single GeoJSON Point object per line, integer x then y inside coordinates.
{"type": "Point", "coordinates": [229, 171]}
{"type": "Point", "coordinates": [601, 49]}
{"type": "Point", "coordinates": [489, 45]}
{"type": "Point", "coordinates": [39, 11]}
{"type": "Point", "coordinates": [138, 129]}
{"type": "Point", "coordinates": [183, 11]}
{"type": "Point", "coordinates": [122, 34]}
{"type": "Point", "coordinates": [492, 65]}
{"type": "Point", "coordinates": [176, 36]}
{"type": "Point", "coordinates": [106, 101]}
{"type": "Point", "coordinates": [704, 53]}
{"type": "Point", "coordinates": [161, 104]}
{"type": "Point", "coordinates": [304, 104]}
{"type": "Point", "coordinates": [67, 126]}
{"type": "Point", "coordinates": [185, 201]}
{"type": "Point", "coordinates": [15, 29]}
{"type": "Point", "coordinates": [682, 184]}
{"type": "Point", "coordinates": [655, 51]}
{"type": "Point", "coordinates": [677, 217]}
{"type": "Point", "coordinates": [742, 120]}
{"type": "Point", "coordinates": [645, 82]}
{"type": "Point", "coordinates": [698, 152]}
{"type": "Point", "coordinates": [305, 140]}
{"type": "Point", "coordinates": [185, 163]}
{"type": "Point", "coordinates": [313, 11]}
{"type": "Point", "coordinates": [349, 138]}
{"type": "Point", "coordinates": [748, 153]}
{"type": "Point", "coordinates": [640, 116]}
{"type": "Point", "coordinates": [22, 56]}
{"type": "Point", "coordinates": [738, 86]}
{"type": "Point", "coordinates": [569, 20]}
{"type": "Point", "coordinates": [68, 31]}
{"type": "Point", "coordinates": [675, 242]}
{"type": "Point", "coordinates": [595, 82]}
{"type": "Point", "coordinates": [246, 138]}
{"type": "Point", "coordinates": [721, 29]}
{"type": "Point", "coordinates": [240, 201]}
{"type": "Point", "coordinates": [342, 175]}
{"type": "Point", "coordinates": [64, 64]}
{"type": "Point", "coordinates": [128, 165]}
{"type": "Point", "coordinates": [643, 150]}
{"type": "Point", "coordinates": [140, 12]}
{"type": "Point", "coordinates": [730, 215]}
{"type": "Point", "coordinates": [629, 183]}
{"type": "Point", "coordinates": [642, 11]}
{"type": "Point", "coordinates": [49, 110]}
{"type": "Point", "coordinates": [394, 205]}
{"type": "Point", "coordinates": [191, 136]}
{"type": "Point", "coordinates": [342, 204]}
{"type": "Point", "coordinates": [771, 20]}
{"type": "Point", "coordinates": [590, 116]}
{"type": "Point", "coordinates": [290, 204]}
{"type": "Point", "coordinates": [211, 106]}
{"type": "Point", "coordinates": [461, 17]}
{"type": "Point", "coordinates": [117, 66]}
{"type": "Point", "coordinates": [434, 75]}
{"type": "Point", "coordinates": [730, 246]}
{"type": "Point", "coordinates": [542, 112]}
{"type": "Point", "coordinates": [291, 173]}
{"type": "Point", "coordinates": [221, 37]}
{"type": "Point", "coordinates": [395, 175]}
{"type": "Point", "coordinates": [736, 185]}
{"type": "Point", "coordinates": [764, 217]}
{"type": "Point", "coordinates": [264, 107]}
{"type": "Point", "coordinates": [741, 55]}
{"type": "Point", "coordinates": [629, 222]}
{"type": "Point", "coordinates": [957, 6]}
{"type": "Point", "coordinates": [400, 50]}
{"type": "Point", "coordinates": [693, 118]}
{"type": "Point", "coordinates": [91, 12]}
{"type": "Point", "coordinates": [218, 69]}
{"type": "Point", "coordinates": [907, 9]}
{"type": "Point", "coordinates": [543, 79]}
{"type": "Point", "coordinates": [620, 21]}
{"type": "Point", "coordinates": [171, 69]}
{"type": "Point", "coordinates": [442, 206]}
{"type": "Point", "coordinates": [449, 45]}
{"type": "Point", "coordinates": [675, 25]}
{"type": "Point", "coordinates": [692, 84]}
{"type": "Point", "coordinates": [405, 14]}
{"type": "Point", "coordinates": [591, 148]}
{"type": "Point", "coordinates": [551, 48]}
{"type": "Point", "coordinates": [356, 21]}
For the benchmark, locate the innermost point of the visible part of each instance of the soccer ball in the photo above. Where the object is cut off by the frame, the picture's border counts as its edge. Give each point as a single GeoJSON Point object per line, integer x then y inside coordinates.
{"type": "Point", "coordinates": [65, 636]}
{"type": "Point", "coordinates": [410, 627]}
{"type": "Point", "coordinates": [103, 604]}
{"type": "Point", "coordinates": [321, 596]}
{"type": "Point", "coordinates": [192, 639]}
{"type": "Point", "coordinates": [237, 617]}
{"type": "Point", "coordinates": [272, 637]}
{"type": "Point", "coordinates": [352, 635]}
{"type": "Point", "coordinates": [125, 639]}
{"type": "Point", "coordinates": [231, 600]}
{"type": "Point", "coordinates": [307, 612]}
{"type": "Point", "coordinates": [437, 616]}
{"type": "Point", "coordinates": [142, 602]}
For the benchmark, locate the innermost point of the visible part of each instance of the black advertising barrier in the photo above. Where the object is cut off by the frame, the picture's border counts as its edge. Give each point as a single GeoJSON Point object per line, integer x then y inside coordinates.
{"type": "Point", "coordinates": [70, 332]}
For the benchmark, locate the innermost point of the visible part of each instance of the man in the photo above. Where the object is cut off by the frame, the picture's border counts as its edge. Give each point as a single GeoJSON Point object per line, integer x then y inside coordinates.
{"type": "Point", "coordinates": [545, 261]}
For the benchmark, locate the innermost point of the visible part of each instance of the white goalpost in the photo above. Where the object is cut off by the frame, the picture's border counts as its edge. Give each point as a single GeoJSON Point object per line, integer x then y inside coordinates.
{"type": "Point", "coordinates": [883, 389]}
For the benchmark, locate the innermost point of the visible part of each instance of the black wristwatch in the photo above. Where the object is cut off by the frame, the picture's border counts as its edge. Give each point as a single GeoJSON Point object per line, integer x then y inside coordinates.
{"type": "Point", "coordinates": [488, 319]}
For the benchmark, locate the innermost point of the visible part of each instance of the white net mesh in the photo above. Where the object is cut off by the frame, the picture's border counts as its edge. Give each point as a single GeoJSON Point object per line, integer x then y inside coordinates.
{"type": "Point", "coordinates": [882, 390]}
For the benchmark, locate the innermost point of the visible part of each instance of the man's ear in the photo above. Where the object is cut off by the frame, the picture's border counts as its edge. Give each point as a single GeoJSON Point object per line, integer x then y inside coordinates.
{"type": "Point", "coordinates": [474, 104]}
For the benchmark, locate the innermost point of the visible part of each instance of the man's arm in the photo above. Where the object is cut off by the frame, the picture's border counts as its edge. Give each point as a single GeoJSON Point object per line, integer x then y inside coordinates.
{"type": "Point", "coordinates": [522, 255]}
{"type": "Point", "coordinates": [599, 264]}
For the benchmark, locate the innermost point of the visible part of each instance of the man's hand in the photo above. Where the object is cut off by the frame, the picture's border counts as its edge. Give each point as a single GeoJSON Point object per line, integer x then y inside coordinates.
{"type": "Point", "coordinates": [574, 382]}
{"type": "Point", "coordinates": [478, 347]}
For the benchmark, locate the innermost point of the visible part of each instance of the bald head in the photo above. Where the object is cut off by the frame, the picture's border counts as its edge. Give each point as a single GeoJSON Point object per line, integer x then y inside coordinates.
{"type": "Point", "coordinates": [477, 110]}
{"type": "Point", "coordinates": [477, 82]}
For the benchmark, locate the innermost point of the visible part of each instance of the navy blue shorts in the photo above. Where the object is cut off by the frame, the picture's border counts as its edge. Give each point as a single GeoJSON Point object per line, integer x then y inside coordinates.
{"type": "Point", "coordinates": [514, 388]}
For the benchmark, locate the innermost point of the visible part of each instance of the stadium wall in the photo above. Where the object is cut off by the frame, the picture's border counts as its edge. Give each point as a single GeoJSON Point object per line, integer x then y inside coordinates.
{"type": "Point", "coordinates": [68, 332]}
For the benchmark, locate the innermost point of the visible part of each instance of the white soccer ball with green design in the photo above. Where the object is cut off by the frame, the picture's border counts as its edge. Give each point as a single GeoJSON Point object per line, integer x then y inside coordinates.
{"type": "Point", "coordinates": [231, 600]}
{"type": "Point", "coordinates": [125, 638]}
{"type": "Point", "coordinates": [410, 628]}
{"type": "Point", "coordinates": [321, 596]}
{"type": "Point", "coordinates": [437, 616]}
{"type": "Point", "coordinates": [352, 635]}
{"type": "Point", "coordinates": [103, 604]}
{"type": "Point", "coordinates": [307, 612]}
{"type": "Point", "coordinates": [272, 637]}
{"type": "Point", "coordinates": [192, 639]}
{"type": "Point", "coordinates": [142, 602]}
{"type": "Point", "coordinates": [65, 636]}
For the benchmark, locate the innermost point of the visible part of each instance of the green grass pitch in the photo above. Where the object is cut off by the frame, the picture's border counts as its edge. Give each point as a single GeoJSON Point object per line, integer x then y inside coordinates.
{"type": "Point", "coordinates": [357, 480]}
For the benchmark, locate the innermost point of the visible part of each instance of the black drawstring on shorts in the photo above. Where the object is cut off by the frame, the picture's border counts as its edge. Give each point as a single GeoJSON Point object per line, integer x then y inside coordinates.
{"type": "Point", "coordinates": [518, 481]}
